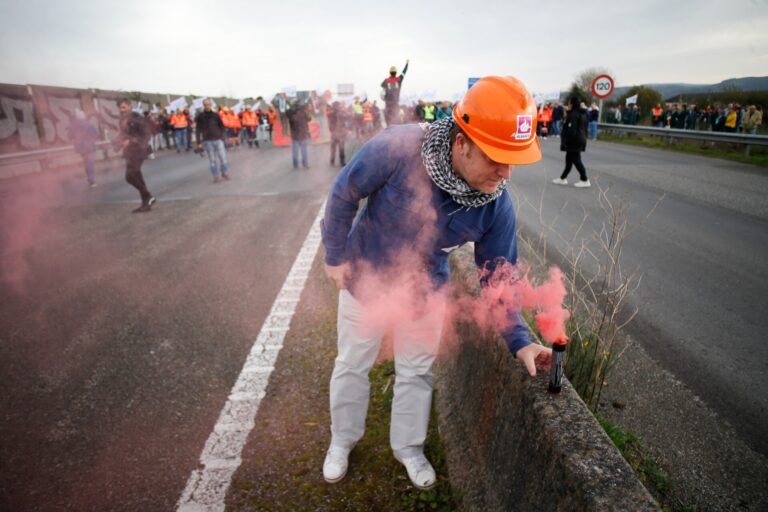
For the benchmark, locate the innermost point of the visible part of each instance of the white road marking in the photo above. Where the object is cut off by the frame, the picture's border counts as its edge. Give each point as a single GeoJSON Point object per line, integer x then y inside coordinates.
{"type": "Point", "coordinates": [207, 486]}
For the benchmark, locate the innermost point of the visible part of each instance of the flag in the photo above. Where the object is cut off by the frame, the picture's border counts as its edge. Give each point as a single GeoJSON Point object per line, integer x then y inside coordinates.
{"type": "Point", "coordinates": [631, 100]}
{"type": "Point", "coordinates": [238, 107]}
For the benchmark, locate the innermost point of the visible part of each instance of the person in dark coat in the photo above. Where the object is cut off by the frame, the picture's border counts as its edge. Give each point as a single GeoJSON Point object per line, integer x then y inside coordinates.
{"type": "Point", "coordinates": [134, 140]}
{"type": "Point", "coordinates": [573, 140]}
{"type": "Point", "coordinates": [84, 136]}
{"type": "Point", "coordinates": [338, 124]}
{"type": "Point", "coordinates": [298, 117]}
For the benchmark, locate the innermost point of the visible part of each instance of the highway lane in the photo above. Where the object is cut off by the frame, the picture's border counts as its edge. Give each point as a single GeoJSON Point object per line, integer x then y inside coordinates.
{"type": "Point", "coordinates": [702, 253]}
{"type": "Point", "coordinates": [122, 334]}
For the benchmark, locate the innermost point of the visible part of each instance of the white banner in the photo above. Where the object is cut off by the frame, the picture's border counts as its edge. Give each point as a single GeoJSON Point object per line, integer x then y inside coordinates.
{"type": "Point", "coordinates": [631, 100]}
{"type": "Point", "coordinates": [540, 98]}
{"type": "Point", "coordinates": [177, 104]}
{"type": "Point", "coordinates": [290, 91]}
{"type": "Point", "coordinates": [238, 107]}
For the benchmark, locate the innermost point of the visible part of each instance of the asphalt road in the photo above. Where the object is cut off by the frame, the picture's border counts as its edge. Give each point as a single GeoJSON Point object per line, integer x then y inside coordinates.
{"type": "Point", "coordinates": [702, 254]}
{"type": "Point", "coordinates": [121, 334]}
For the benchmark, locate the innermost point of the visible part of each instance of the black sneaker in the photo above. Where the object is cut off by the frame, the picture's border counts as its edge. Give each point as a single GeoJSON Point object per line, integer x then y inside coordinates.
{"type": "Point", "coordinates": [142, 209]}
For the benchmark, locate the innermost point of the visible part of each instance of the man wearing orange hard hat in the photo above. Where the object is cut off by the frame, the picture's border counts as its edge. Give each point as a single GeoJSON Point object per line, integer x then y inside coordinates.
{"type": "Point", "coordinates": [429, 189]}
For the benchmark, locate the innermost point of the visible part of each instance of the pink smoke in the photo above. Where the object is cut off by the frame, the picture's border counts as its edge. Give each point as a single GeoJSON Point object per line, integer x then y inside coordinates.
{"type": "Point", "coordinates": [506, 290]}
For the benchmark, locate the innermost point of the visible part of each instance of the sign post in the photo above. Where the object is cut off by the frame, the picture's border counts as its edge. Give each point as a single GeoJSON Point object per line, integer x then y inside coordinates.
{"type": "Point", "coordinates": [602, 87]}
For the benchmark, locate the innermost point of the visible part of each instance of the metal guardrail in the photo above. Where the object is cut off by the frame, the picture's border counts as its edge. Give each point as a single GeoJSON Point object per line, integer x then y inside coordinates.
{"type": "Point", "coordinates": [674, 133]}
{"type": "Point", "coordinates": [37, 154]}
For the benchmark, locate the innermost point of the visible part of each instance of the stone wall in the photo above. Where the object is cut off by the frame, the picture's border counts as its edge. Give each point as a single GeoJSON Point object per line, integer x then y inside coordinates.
{"type": "Point", "coordinates": [513, 446]}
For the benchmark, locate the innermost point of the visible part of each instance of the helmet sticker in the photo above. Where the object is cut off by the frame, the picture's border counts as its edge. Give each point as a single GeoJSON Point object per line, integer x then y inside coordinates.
{"type": "Point", "coordinates": [524, 127]}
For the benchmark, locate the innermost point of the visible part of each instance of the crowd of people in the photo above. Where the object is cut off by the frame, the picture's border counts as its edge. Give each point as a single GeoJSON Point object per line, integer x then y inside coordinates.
{"type": "Point", "coordinates": [731, 118]}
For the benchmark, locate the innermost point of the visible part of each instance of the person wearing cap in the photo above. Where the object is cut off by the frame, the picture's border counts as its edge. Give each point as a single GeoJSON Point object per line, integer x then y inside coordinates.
{"type": "Point", "coordinates": [390, 89]}
{"type": "Point", "coordinates": [428, 189]}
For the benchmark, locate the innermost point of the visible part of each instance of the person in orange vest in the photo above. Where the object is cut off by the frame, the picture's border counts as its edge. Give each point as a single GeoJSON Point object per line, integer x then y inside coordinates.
{"type": "Point", "coordinates": [237, 125]}
{"type": "Point", "coordinates": [271, 115]}
{"type": "Point", "coordinates": [249, 120]}
{"type": "Point", "coordinates": [545, 117]}
{"type": "Point", "coordinates": [657, 116]}
{"type": "Point", "coordinates": [367, 120]}
{"type": "Point", "coordinates": [180, 123]}
{"type": "Point", "coordinates": [226, 118]}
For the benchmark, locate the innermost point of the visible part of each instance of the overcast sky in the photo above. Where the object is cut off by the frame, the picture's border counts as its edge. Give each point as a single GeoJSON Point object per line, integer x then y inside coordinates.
{"type": "Point", "coordinates": [244, 48]}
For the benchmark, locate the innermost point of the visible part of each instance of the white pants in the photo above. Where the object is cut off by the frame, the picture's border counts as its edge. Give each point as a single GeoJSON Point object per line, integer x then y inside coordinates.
{"type": "Point", "coordinates": [415, 346]}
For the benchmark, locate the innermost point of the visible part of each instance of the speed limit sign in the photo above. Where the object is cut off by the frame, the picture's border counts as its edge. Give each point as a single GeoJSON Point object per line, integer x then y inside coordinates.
{"type": "Point", "coordinates": [602, 86]}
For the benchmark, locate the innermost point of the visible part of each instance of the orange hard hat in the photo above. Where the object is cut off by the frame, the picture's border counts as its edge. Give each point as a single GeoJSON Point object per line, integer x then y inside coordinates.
{"type": "Point", "coordinates": [499, 115]}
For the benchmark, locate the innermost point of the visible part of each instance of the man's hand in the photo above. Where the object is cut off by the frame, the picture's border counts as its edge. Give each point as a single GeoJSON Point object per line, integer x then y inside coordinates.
{"type": "Point", "coordinates": [535, 355]}
{"type": "Point", "coordinates": [338, 275]}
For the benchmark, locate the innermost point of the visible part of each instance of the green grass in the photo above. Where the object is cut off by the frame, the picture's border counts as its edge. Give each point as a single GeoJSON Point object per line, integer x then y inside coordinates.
{"type": "Point", "coordinates": [758, 156]}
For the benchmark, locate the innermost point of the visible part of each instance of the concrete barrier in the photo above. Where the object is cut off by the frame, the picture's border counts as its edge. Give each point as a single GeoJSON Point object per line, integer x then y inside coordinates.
{"type": "Point", "coordinates": [510, 444]}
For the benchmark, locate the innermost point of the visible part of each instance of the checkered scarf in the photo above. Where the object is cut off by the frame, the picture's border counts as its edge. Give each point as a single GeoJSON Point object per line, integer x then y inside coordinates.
{"type": "Point", "coordinates": [436, 155]}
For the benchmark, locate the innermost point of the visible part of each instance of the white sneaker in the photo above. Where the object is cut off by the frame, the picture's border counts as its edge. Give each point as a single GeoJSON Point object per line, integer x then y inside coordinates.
{"type": "Point", "coordinates": [582, 184]}
{"type": "Point", "coordinates": [560, 181]}
{"type": "Point", "coordinates": [420, 472]}
{"type": "Point", "coordinates": [335, 465]}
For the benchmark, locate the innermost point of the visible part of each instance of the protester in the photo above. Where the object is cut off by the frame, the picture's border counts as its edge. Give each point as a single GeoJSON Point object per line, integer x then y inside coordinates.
{"type": "Point", "coordinates": [429, 190]}
{"type": "Point", "coordinates": [299, 121]}
{"type": "Point", "coordinates": [731, 118]}
{"type": "Point", "coordinates": [357, 112]}
{"type": "Point", "coordinates": [263, 128]}
{"type": "Point", "coordinates": [167, 128]}
{"type": "Point", "coordinates": [157, 132]}
{"type": "Point", "coordinates": [281, 104]}
{"type": "Point", "coordinates": [593, 117]}
{"type": "Point", "coordinates": [249, 120]}
{"type": "Point", "coordinates": [391, 93]}
{"type": "Point", "coordinates": [545, 117]}
{"type": "Point", "coordinates": [690, 118]}
{"type": "Point", "coordinates": [179, 121]}
{"type": "Point", "coordinates": [573, 141]}
{"type": "Point", "coordinates": [753, 119]}
{"type": "Point", "coordinates": [271, 116]}
{"type": "Point", "coordinates": [338, 124]}
{"type": "Point", "coordinates": [190, 123]}
{"type": "Point", "coordinates": [558, 113]}
{"type": "Point", "coordinates": [657, 116]}
{"type": "Point", "coordinates": [210, 135]}
{"type": "Point", "coordinates": [84, 136]}
{"type": "Point", "coordinates": [133, 138]}
{"type": "Point", "coordinates": [153, 130]}
{"type": "Point", "coordinates": [367, 120]}
{"type": "Point", "coordinates": [429, 112]}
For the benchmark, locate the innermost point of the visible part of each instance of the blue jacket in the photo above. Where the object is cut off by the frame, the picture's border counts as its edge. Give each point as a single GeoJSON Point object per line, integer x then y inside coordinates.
{"type": "Point", "coordinates": [405, 211]}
